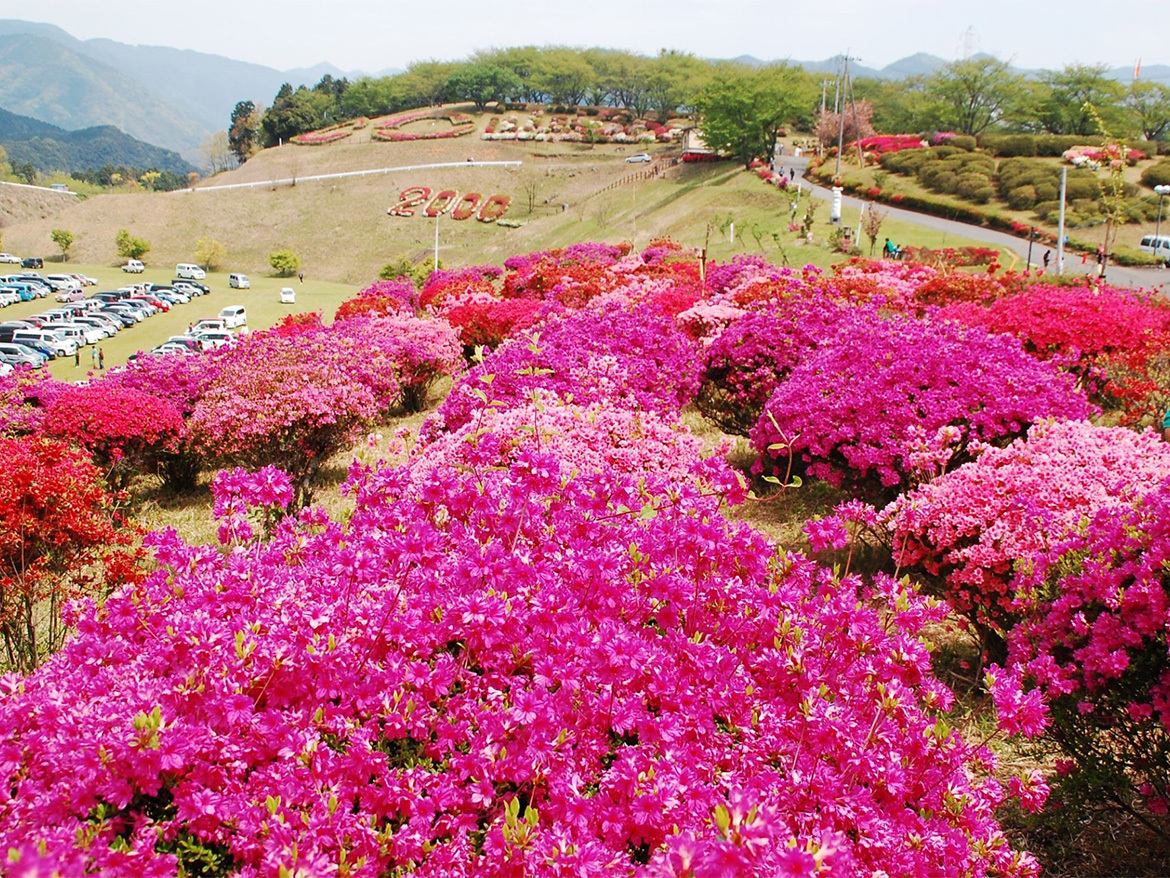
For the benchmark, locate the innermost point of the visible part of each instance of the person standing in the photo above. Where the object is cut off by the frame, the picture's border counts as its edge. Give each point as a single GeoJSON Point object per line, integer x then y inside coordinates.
{"type": "Point", "coordinates": [101, 359]}
{"type": "Point", "coordinates": [93, 353]}
{"type": "Point", "coordinates": [1047, 258]}
{"type": "Point", "coordinates": [77, 358]}
{"type": "Point", "coordinates": [301, 276]}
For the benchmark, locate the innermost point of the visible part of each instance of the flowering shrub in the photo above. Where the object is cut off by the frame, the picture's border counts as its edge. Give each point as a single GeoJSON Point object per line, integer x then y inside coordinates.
{"type": "Point", "coordinates": [323, 136]}
{"type": "Point", "coordinates": [853, 410]}
{"type": "Point", "coordinates": [412, 353]}
{"type": "Point", "coordinates": [179, 381]}
{"type": "Point", "coordinates": [61, 537]}
{"type": "Point", "coordinates": [607, 353]}
{"type": "Point", "coordinates": [489, 322]}
{"type": "Point", "coordinates": [386, 128]}
{"type": "Point", "coordinates": [119, 426]}
{"type": "Point", "coordinates": [1093, 640]}
{"type": "Point", "coordinates": [745, 363]}
{"type": "Point", "coordinates": [1110, 338]}
{"type": "Point", "coordinates": [495, 676]}
{"type": "Point", "coordinates": [880, 144]}
{"type": "Point", "coordinates": [240, 493]}
{"type": "Point", "coordinates": [381, 298]}
{"type": "Point", "coordinates": [971, 529]}
{"type": "Point", "coordinates": [25, 395]}
{"type": "Point", "coordinates": [289, 403]}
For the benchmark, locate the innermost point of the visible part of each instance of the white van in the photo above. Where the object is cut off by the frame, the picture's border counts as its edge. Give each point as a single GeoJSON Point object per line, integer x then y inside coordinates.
{"type": "Point", "coordinates": [233, 316]}
{"type": "Point", "coordinates": [1159, 245]}
{"type": "Point", "coordinates": [239, 282]}
{"type": "Point", "coordinates": [189, 271]}
{"type": "Point", "coordinates": [134, 266]}
{"type": "Point", "coordinates": [62, 346]}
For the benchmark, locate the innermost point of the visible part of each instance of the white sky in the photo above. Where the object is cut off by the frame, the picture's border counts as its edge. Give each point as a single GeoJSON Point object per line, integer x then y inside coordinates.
{"type": "Point", "coordinates": [373, 35]}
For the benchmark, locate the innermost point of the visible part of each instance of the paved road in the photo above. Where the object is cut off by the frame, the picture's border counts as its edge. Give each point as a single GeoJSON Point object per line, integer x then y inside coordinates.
{"type": "Point", "coordinates": [1149, 278]}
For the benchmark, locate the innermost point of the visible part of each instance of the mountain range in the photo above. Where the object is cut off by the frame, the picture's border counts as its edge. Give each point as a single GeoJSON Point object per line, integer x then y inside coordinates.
{"type": "Point", "coordinates": [177, 97]}
{"type": "Point", "coordinates": [50, 148]}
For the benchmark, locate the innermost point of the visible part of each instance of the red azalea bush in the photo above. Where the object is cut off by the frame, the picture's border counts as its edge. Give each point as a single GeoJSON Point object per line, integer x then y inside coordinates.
{"type": "Point", "coordinates": [972, 529]}
{"type": "Point", "coordinates": [61, 537]}
{"type": "Point", "coordinates": [488, 323]}
{"type": "Point", "coordinates": [609, 353]}
{"type": "Point", "coordinates": [512, 673]}
{"type": "Point", "coordinates": [383, 297]}
{"type": "Point", "coordinates": [854, 410]}
{"type": "Point", "coordinates": [1093, 640]}
{"type": "Point", "coordinates": [122, 428]}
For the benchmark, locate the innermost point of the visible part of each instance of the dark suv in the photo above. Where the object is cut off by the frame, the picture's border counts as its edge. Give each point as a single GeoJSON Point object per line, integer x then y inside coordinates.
{"type": "Point", "coordinates": [32, 262]}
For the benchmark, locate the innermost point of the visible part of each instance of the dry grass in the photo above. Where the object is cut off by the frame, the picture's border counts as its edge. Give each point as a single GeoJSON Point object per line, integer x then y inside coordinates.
{"type": "Point", "coordinates": [342, 233]}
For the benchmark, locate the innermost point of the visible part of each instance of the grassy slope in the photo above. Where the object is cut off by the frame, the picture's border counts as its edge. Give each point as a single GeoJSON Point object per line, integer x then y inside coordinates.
{"type": "Point", "coordinates": [342, 233]}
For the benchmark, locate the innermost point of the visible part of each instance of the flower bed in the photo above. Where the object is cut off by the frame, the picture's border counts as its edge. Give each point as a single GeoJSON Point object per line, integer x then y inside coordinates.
{"type": "Point", "coordinates": [387, 128]}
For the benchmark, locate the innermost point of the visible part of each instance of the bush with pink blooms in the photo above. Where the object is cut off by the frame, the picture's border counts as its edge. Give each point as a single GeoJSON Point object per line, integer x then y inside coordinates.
{"type": "Point", "coordinates": [972, 530]}
{"type": "Point", "coordinates": [1093, 640]}
{"type": "Point", "coordinates": [609, 353]}
{"type": "Point", "coordinates": [517, 673]}
{"type": "Point", "coordinates": [745, 363]}
{"type": "Point", "coordinates": [289, 402]}
{"type": "Point", "coordinates": [855, 410]}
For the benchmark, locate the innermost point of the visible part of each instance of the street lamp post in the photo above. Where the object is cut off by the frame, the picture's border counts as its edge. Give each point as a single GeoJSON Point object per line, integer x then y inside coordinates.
{"type": "Point", "coordinates": [1162, 192]}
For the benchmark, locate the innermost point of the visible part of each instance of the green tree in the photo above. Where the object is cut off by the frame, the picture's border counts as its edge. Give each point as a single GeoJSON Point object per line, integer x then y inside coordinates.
{"type": "Point", "coordinates": [244, 131]}
{"type": "Point", "coordinates": [482, 82]}
{"type": "Point", "coordinates": [673, 81]}
{"type": "Point", "coordinates": [564, 75]}
{"type": "Point", "coordinates": [209, 253]}
{"type": "Point", "coordinates": [284, 262]}
{"type": "Point", "coordinates": [1068, 96]}
{"type": "Point", "coordinates": [130, 247]}
{"type": "Point", "coordinates": [973, 94]}
{"type": "Point", "coordinates": [742, 109]}
{"type": "Point", "coordinates": [1148, 105]}
{"type": "Point", "coordinates": [64, 239]}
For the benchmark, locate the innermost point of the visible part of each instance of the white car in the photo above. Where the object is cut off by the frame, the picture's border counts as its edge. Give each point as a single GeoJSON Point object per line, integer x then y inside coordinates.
{"type": "Point", "coordinates": [233, 316]}
{"type": "Point", "coordinates": [134, 266]}
{"type": "Point", "coordinates": [8, 257]}
{"type": "Point", "coordinates": [640, 157]}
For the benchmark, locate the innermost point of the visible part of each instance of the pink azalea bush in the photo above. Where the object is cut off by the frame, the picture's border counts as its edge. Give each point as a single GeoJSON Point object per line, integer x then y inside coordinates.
{"type": "Point", "coordinates": [289, 402]}
{"type": "Point", "coordinates": [745, 363]}
{"type": "Point", "coordinates": [608, 353]}
{"type": "Point", "coordinates": [1093, 641]}
{"type": "Point", "coordinates": [974, 528]}
{"type": "Point", "coordinates": [852, 411]}
{"type": "Point", "coordinates": [508, 674]}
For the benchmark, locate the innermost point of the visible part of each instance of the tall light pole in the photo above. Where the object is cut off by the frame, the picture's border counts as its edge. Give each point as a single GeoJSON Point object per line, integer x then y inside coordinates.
{"type": "Point", "coordinates": [1162, 192]}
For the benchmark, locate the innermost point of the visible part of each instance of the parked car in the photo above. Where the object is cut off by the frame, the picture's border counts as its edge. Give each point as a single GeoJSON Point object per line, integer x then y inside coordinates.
{"type": "Point", "coordinates": [215, 338]}
{"type": "Point", "coordinates": [76, 294]}
{"type": "Point", "coordinates": [203, 289]}
{"type": "Point", "coordinates": [82, 334]}
{"type": "Point", "coordinates": [193, 342]}
{"type": "Point", "coordinates": [133, 266]}
{"type": "Point", "coordinates": [8, 297]}
{"type": "Point", "coordinates": [125, 320]}
{"type": "Point", "coordinates": [187, 270]}
{"type": "Point", "coordinates": [172, 347]}
{"type": "Point", "coordinates": [239, 282]}
{"type": "Point", "coordinates": [61, 282]}
{"type": "Point", "coordinates": [17, 355]}
{"type": "Point", "coordinates": [212, 324]}
{"type": "Point", "coordinates": [639, 157]}
{"type": "Point", "coordinates": [32, 262]}
{"type": "Point", "coordinates": [234, 316]}
{"type": "Point", "coordinates": [40, 347]}
{"type": "Point", "coordinates": [104, 326]}
{"type": "Point", "coordinates": [8, 257]}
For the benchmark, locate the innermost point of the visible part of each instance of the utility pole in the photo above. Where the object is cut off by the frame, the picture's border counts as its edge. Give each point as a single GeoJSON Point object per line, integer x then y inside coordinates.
{"type": "Point", "coordinates": [1060, 230]}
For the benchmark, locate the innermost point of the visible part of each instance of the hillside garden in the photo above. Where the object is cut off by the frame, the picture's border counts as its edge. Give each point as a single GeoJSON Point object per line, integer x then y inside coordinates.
{"type": "Point", "coordinates": [603, 562]}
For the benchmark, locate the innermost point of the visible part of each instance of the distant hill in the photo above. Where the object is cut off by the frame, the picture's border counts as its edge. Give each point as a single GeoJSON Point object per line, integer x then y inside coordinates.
{"type": "Point", "coordinates": [172, 97]}
{"type": "Point", "coordinates": [51, 148]}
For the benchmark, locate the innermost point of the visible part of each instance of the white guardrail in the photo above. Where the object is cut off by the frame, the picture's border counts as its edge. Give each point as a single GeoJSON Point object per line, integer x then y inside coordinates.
{"type": "Point", "coordinates": [40, 188]}
{"type": "Point", "coordinates": [292, 181]}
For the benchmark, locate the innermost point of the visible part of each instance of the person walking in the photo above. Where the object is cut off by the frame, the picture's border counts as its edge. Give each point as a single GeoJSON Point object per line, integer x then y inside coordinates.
{"type": "Point", "coordinates": [77, 358]}
{"type": "Point", "coordinates": [1047, 258]}
{"type": "Point", "coordinates": [301, 276]}
{"type": "Point", "coordinates": [101, 359]}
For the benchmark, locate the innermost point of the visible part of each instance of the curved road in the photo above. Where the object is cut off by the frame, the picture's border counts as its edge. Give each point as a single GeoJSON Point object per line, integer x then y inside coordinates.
{"type": "Point", "coordinates": [1155, 279]}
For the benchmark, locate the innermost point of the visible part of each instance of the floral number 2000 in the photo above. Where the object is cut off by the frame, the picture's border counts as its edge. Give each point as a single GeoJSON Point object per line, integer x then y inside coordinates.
{"type": "Point", "coordinates": [449, 201]}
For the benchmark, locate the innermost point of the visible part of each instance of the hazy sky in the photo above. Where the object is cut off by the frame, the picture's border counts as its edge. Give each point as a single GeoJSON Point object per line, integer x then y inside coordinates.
{"type": "Point", "coordinates": [372, 35]}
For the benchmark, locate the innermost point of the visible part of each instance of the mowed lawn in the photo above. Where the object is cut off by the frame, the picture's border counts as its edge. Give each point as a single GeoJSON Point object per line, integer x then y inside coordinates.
{"type": "Point", "coordinates": [262, 301]}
